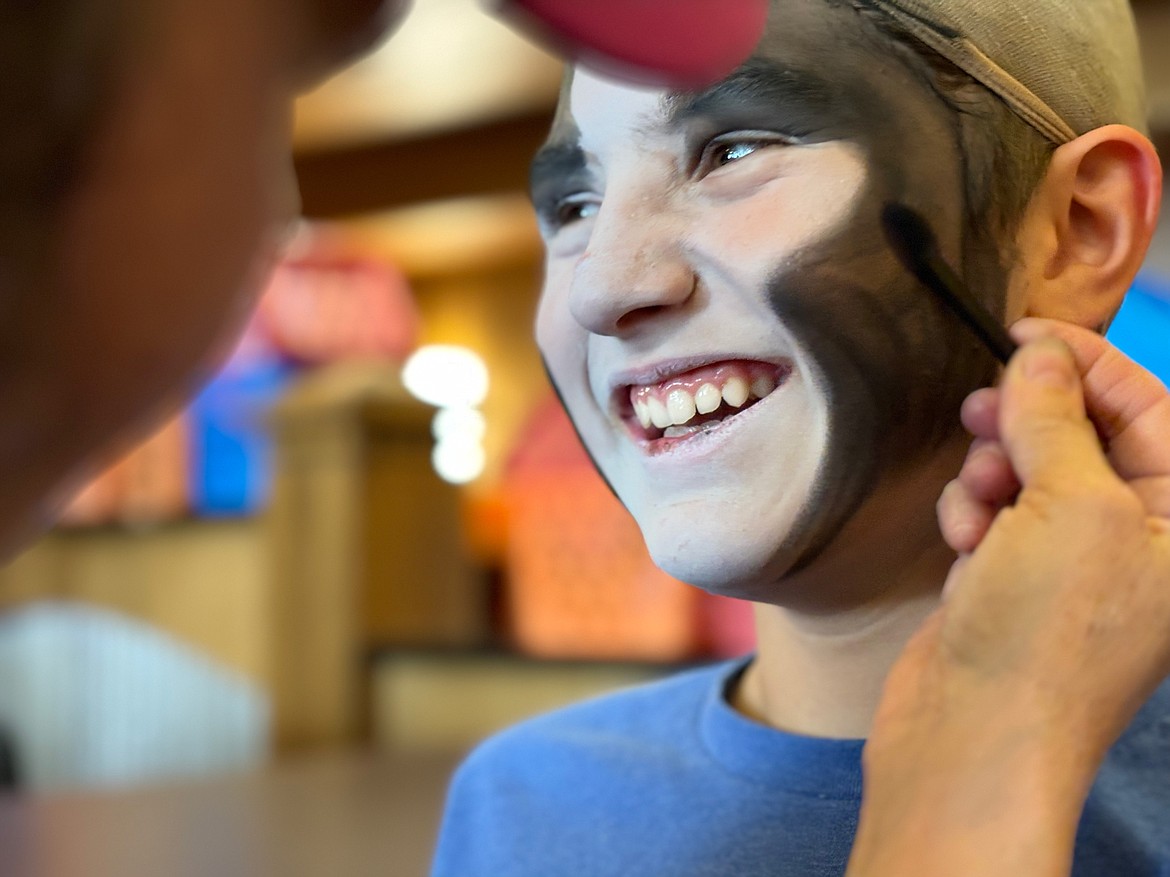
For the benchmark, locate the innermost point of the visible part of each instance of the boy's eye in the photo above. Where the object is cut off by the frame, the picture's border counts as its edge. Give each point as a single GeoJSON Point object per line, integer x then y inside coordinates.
{"type": "Point", "coordinates": [725, 153]}
{"type": "Point", "coordinates": [729, 149]}
{"type": "Point", "coordinates": [571, 209]}
{"type": "Point", "coordinates": [575, 208]}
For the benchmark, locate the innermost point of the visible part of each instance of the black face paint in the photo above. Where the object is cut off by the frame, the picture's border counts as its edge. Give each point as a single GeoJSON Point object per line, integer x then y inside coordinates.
{"type": "Point", "coordinates": [766, 96]}
{"type": "Point", "coordinates": [916, 247]}
{"type": "Point", "coordinates": [557, 171]}
{"type": "Point", "coordinates": [559, 167]}
{"type": "Point", "coordinates": [895, 364]}
{"type": "Point", "coordinates": [892, 363]}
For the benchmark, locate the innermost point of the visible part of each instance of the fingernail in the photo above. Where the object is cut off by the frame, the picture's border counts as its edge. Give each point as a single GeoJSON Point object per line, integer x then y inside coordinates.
{"type": "Point", "coordinates": [1048, 362]}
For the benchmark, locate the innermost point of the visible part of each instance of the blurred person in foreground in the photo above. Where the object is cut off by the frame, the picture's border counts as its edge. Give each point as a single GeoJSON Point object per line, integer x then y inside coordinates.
{"type": "Point", "coordinates": [776, 401]}
{"type": "Point", "coordinates": [144, 186]}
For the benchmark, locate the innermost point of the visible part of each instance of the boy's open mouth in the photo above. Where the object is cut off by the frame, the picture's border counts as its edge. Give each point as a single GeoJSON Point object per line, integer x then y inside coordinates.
{"type": "Point", "coordinates": [699, 400]}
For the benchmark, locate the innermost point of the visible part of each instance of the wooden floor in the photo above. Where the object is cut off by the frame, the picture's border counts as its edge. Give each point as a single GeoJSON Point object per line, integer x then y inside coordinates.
{"type": "Point", "coordinates": [340, 815]}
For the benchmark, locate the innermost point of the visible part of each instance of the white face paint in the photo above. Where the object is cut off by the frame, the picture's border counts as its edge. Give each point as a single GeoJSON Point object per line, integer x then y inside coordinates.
{"type": "Point", "coordinates": [656, 300]}
{"type": "Point", "coordinates": [710, 241]}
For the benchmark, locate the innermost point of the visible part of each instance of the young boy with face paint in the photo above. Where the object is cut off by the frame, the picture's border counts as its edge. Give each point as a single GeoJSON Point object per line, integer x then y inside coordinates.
{"type": "Point", "coordinates": [94, 208]}
{"type": "Point", "coordinates": [775, 400]}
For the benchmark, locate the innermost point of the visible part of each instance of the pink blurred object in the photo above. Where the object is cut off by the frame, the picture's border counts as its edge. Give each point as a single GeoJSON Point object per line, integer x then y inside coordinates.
{"type": "Point", "coordinates": [679, 43]}
{"type": "Point", "coordinates": [726, 627]}
{"type": "Point", "coordinates": [320, 309]}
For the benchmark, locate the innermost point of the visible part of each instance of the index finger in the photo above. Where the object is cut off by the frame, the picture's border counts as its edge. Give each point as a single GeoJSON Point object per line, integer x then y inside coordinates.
{"type": "Point", "coordinates": [1043, 424]}
{"type": "Point", "coordinates": [1129, 406]}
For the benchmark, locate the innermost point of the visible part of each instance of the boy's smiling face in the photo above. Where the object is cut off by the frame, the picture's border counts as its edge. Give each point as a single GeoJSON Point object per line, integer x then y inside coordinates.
{"type": "Point", "coordinates": [723, 251]}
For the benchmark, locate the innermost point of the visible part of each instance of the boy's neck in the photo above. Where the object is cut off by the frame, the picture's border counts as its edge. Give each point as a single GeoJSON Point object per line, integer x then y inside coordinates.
{"type": "Point", "coordinates": [823, 676]}
{"type": "Point", "coordinates": [822, 658]}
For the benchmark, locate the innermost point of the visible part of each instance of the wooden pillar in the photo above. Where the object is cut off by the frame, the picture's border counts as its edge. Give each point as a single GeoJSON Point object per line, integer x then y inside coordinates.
{"type": "Point", "coordinates": [365, 546]}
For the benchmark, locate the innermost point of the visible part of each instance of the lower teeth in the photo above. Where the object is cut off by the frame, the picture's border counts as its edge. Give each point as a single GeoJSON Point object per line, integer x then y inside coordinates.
{"type": "Point", "coordinates": [680, 431]}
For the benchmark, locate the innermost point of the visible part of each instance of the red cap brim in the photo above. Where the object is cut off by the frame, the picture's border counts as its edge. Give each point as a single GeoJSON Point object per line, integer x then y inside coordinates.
{"type": "Point", "coordinates": [679, 43]}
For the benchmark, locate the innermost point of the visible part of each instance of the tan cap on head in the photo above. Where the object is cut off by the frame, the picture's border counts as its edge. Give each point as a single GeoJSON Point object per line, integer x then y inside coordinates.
{"type": "Point", "coordinates": [1065, 66]}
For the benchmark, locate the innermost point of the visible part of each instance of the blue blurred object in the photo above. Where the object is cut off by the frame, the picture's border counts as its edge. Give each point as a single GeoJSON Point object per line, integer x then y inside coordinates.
{"type": "Point", "coordinates": [1142, 327]}
{"type": "Point", "coordinates": [231, 448]}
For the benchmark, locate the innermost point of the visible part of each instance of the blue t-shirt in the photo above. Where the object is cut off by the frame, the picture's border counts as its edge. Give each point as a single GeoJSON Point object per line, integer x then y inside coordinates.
{"type": "Point", "coordinates": [668, 779]}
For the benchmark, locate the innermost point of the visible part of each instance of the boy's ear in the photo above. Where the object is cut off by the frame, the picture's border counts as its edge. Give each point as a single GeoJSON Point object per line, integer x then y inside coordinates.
{"type": "Point", "coordinates": [1087, 228]}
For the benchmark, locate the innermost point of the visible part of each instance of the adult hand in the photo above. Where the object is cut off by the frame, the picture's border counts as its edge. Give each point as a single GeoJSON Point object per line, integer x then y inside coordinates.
{"type": "Point", "coordinates": [1055, 623]}
{"type": "Point", "coordinates": [1063, 527]}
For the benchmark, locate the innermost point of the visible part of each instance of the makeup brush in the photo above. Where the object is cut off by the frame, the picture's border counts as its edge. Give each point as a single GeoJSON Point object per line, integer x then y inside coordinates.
{"type": "Point", "coordinates": [916, 247]}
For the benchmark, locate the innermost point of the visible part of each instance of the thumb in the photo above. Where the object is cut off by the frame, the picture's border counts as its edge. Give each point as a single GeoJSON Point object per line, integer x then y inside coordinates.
{"type": "Point", "coordinates": [1043, 424]}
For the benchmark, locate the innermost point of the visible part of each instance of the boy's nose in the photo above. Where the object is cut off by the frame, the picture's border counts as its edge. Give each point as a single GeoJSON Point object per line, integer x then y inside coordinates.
{"type": "Point", "coordinates": [636, 266]}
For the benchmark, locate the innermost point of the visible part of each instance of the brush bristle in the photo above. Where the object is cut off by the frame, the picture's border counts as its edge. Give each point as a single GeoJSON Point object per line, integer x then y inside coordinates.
{"type": "Point", "coordinates": [908, 234]}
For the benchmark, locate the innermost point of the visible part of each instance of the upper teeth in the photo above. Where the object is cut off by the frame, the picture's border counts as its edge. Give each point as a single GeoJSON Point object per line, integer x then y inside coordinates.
{"type": "Point", "coordinates": [681, 405]}
{"type": "Point", "coordinates": [708, 398]}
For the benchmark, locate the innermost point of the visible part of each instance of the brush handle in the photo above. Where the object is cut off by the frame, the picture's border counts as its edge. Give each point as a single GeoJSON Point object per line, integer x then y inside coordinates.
{"type": "Point", "coordinates": [914, 243]}
{"type": "Point", "coordinates": [940, 278]}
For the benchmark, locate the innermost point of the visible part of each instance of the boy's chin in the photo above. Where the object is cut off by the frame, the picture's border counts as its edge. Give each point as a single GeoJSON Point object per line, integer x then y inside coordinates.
{"type": "Point", "coordinates": [742, 574]}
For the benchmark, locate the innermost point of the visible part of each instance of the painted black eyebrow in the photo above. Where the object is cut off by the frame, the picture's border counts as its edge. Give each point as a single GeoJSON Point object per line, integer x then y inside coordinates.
{"type": "Point", "coordinates": [786, 97]}
{"type": "Point", "coordinates": [554, 165]}
{"type": "Point", "coordinates": [758, 84]}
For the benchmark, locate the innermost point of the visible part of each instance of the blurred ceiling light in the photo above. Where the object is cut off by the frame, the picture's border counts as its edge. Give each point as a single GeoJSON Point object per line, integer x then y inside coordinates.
{"type": "Point", "coordinates": [458, 462]}
{"type": "Point", "coordinates": [459, 424]}
{"type": "Point", "coordinates": [446, 376]}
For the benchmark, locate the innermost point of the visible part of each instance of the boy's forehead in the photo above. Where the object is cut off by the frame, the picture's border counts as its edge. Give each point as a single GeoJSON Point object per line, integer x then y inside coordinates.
{"type": "Point", "coordinates": [811, 48]}
{"type": "Point", "coordinates": [604, 111]}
